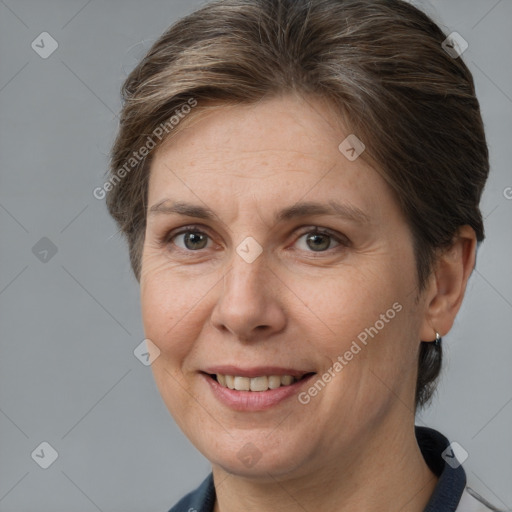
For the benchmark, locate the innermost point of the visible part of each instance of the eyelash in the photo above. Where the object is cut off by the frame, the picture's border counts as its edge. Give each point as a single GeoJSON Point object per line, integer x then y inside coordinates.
{"type": "Point", "coordinates": [167, 238]}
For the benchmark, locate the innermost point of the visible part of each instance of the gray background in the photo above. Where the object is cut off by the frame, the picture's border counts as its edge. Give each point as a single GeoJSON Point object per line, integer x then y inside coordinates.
{"type": "Point", "coordinates": [69, 325]}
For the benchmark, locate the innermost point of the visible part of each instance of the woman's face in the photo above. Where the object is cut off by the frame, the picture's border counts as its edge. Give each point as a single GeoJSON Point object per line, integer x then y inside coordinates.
{"type": "Point", "coordinates": [239, 285]}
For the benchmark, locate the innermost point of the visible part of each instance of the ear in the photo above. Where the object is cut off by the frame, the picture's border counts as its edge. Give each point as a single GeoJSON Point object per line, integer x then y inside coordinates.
{"type": "Point", "coordinates": [447, 285]}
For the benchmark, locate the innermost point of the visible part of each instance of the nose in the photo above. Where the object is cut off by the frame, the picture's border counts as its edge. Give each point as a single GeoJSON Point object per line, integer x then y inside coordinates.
{"type": "Point", "coordinates": [249, 306]}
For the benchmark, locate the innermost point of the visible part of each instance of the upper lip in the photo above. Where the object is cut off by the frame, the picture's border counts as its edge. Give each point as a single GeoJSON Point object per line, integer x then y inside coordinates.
{"type": "Point", "coordinates": [255, 371]}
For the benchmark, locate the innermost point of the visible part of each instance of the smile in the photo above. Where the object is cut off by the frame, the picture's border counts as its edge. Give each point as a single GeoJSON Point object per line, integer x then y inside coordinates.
{"type": "Point", "coordinates": [257, 390]}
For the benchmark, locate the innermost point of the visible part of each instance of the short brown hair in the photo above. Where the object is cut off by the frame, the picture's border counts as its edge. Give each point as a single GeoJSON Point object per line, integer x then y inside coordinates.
{"type": "Point", "coordinates": [379, 63]}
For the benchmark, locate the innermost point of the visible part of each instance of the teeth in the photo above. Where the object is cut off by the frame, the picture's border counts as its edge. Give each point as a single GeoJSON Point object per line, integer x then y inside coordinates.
{"type": "Point", "coordinates": [230, 381]}
{"type": "Point", "coordinates": [262, 383]}
{"type": "Point", "coordinates": [259, 384]}
{"type": "Point", "coordinates": [286, 380]}
{"type": "Point", "coordinates": [242, 383]}
{"type": "Point", "coordinates": [274, 381]}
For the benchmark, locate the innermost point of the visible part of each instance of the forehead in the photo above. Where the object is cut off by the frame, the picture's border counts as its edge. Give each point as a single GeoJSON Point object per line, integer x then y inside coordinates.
{"type": "Point", "coordinates": [279, 150]}
{"type": "Point", "coordinates": [285, 129]}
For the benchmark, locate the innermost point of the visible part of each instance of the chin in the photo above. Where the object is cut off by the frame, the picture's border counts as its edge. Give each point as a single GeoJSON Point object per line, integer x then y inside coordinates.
{"type": "Point", "coordinates": [264, 472]}
{"type": "Point", "coordinates": [253, 455]}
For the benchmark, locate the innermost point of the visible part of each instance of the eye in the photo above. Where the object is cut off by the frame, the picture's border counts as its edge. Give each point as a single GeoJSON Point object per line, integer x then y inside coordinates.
{"type": "Point", "coordinates": [319, 240]}
{"type": "Point", "coordinates": [193, 239]}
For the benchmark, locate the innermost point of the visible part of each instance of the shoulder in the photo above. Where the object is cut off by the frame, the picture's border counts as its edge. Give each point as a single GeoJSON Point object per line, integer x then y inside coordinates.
{"type": "Point", "coordinates": [201, 499]}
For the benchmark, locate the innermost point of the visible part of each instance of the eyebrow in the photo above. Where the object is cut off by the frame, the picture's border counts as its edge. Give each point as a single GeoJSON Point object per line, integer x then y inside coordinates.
{"type": "Point", "coordinates": [302, 209]}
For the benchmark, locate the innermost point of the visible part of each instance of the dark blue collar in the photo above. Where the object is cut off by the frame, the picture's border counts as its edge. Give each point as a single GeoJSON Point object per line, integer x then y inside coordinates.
{"type": "Point", "coordinates": [452, 481]}
{"type": "Point", "coordinates": [445, 498]}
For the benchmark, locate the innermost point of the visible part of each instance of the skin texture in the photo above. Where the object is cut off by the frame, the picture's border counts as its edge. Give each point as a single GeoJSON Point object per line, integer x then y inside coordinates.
{"type": "Point", "coordinates": [295, 306]}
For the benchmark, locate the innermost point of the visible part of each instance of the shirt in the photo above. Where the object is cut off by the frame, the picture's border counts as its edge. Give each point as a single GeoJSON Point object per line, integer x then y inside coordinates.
{"type": "Point", "coordinates": [450, 494]}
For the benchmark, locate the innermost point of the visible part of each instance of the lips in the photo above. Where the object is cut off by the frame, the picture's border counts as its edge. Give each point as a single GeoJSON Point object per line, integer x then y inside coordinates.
{"type": "Point", "coordinates": [262, 397]}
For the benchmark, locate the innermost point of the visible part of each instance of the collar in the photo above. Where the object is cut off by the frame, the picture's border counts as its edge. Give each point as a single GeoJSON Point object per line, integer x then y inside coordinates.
{"type": "Point", "coordinates": [452, 480]}
{"type": "Point", "coordinates": [445, 498]}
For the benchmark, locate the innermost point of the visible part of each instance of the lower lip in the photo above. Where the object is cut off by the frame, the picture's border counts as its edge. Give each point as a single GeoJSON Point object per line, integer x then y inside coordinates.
{"type": "Point", "coordinates": [254, 400]}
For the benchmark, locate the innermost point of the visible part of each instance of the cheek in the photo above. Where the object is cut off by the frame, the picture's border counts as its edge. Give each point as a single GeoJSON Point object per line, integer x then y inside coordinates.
{"type": "Point", "coordinates": [162, 307]}
{"type": "Point", "coordinates": [166, 316]}
{"type": "Point", "coordinates": [172, 307]}
{"type": "Point", "coordinates": [351, 301]}
{"type": "Point", "coordinates": [369, 319]}
{"type": "Point", "coordinates": [370, 348]}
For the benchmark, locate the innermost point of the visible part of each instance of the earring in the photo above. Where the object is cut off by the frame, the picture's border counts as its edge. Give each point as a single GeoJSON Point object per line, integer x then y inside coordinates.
{"type": "Point", "coordinates": [438, 340]}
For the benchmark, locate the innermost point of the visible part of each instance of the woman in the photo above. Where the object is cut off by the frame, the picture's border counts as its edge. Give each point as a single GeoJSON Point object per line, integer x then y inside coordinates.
{"type": "Point", "coordinates": [299, 184]}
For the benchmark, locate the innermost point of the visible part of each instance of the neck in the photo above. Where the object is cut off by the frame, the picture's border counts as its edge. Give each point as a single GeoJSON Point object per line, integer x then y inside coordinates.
{"type": "Point", "coordinates": [386, 472]}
